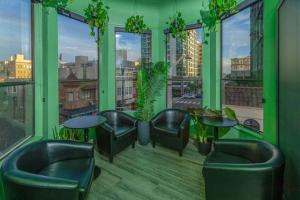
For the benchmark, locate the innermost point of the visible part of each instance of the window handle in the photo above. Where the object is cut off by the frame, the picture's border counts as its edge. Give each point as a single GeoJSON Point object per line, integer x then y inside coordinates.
{"type": "Point", "coordinates": [263, 100]}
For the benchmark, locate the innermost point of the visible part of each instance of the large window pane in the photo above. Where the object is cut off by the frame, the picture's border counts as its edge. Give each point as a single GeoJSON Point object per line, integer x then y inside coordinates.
{"type": "Point", "coordinates": [16, 87]}
{"type": "Point", "coordinates": [78, 69]}
{"type": "Point", "coordinates": [184, 88]}
{"type": "Point", "coordinates": [132, 50]}
{"type": "Point", "coordinates": [242, 65]}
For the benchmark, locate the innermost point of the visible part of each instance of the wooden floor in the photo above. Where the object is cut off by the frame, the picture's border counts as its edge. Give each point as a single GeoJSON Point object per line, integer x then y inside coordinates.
{"type": "Point", "coordinates": [147, 173]}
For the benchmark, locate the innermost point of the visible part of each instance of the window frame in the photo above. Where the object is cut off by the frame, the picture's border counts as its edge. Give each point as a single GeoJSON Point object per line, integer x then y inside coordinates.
{"type": "Point", "coordinates": [77, 17]}
{"type": "Point", "coordinates": [122, 30]}
{"type": "Point", "coordinates": [25, 83]}
{"type": "Point", "coordinates": [166, 32]}
{"type": "Point", "coordinates": [240, 7]}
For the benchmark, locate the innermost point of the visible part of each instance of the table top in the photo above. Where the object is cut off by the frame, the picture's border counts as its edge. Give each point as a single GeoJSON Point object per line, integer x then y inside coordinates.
{"type": "Point", "coordinates": [218, 122]}
{"type": "Point", "coordinates": [84, 122]}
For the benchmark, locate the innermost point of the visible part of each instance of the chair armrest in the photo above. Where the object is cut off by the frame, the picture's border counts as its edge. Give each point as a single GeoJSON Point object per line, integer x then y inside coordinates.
{"type": "Point", "coordinates": [33, 180]}
{"type": "Point", "coordinates": [185, 125]}
{"type": "Point", "coordinates": [61, 150]}
{"type": "Point", "coordinates": [107, 127]}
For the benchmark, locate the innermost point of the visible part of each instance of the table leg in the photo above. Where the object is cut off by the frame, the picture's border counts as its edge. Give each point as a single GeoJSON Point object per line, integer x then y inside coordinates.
{"type": "Point", "coordinates": [86, 135]}
{"type": "Point", "coordinates": [216, 133]}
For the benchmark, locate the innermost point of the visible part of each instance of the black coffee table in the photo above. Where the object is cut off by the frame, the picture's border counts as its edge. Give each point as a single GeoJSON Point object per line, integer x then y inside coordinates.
{"type": "Point", "coordinates": [85, 122]}
{"type": "Point", "coordinates": [218, 122]}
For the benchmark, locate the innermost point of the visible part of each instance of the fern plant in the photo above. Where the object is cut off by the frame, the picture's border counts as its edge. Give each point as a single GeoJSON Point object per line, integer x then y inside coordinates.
{"type": "Point", "coordinates": [150, 79]}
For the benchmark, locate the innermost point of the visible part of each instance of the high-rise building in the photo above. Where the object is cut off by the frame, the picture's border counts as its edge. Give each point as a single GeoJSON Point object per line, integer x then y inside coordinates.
{"type": "Point", "coordinates": [146, 48]}
{"type": "Point", "coordinates": [186, 55]}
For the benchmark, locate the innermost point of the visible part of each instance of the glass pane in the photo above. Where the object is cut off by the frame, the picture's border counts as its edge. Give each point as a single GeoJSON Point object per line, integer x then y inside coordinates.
{"type": "Point", "coordinates": [131, 51]}
{"type": "Point", "coordinates": [15, 40]}
{"type": "Point", "coordinates": [16, 115]}
{"type": "Point", "coordinates": [185, 79]}
{"type": "Point", "coordinates": [242, 65]}
{"type": "Point", "coordinates": [78, 69]}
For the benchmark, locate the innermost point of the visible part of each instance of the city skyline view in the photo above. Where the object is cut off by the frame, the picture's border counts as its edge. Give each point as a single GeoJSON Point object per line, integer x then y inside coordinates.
{"type": "Point", "coordinates": [131, 42]}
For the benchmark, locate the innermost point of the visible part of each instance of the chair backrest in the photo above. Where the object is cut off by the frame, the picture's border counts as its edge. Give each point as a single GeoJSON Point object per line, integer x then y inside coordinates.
{"type": "Point", "coordinates": [112, 117]}
{"type": "Point", "coordinates": [173, 115]}
{"type": "Point", "coordinates": [32, 158]}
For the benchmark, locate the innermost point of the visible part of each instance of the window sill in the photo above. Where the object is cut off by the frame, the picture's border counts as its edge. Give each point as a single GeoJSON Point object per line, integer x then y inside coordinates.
{"type": "Point", "coordinates": [20, 144]}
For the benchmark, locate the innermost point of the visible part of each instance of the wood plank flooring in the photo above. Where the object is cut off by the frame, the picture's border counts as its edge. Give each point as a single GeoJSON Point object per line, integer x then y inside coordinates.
{"type": "Point", "coordinates": [150, 174]}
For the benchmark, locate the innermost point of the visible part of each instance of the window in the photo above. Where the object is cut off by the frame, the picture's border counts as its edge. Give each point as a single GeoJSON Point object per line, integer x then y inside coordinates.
{"type": "Point", "coordinates": [16, 83]}
{"type": "Point", "coordinates": [131, 51]}
{"type": "Point", "coordinates": [184, 88]}
{"type": "Point", "coordinates": [242, 65]}
{"type": "Point", "coordinates": [78, 69]}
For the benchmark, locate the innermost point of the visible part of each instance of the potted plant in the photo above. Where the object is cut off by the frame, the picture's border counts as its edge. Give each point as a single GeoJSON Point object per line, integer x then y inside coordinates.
{"type": "Point", "coordinates": [136, 24]}
{"type": "Point", "coordinates": [217, 9]}
{"type": "Point", "coordinates": [202, 139]}
{"type": "Point", "coordinates": [177, 27]}
{"type": "Point", "coordinates": [96, 15]}
{"type": "Point", "coordinates": [150, 79]}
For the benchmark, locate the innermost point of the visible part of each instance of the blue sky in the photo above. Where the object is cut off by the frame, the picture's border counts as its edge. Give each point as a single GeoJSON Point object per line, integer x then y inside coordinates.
{"type": "Point", "coordinates": [74, 40]}
{"type": "Point", "coordinates": [15, 28]}
{"type": "Point", "coordinates": [131, 42]}
{"type": "Point", "coordinates": [236, 38]}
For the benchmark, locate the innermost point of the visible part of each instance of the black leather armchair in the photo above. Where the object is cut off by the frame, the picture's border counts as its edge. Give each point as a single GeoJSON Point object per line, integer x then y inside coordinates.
{"type": "Point", "coordinates": [117, 133]}
{"type": "Point", "coordinates": [49, 170]}
{"type": "Point", "coordinates": [171, 128]}
{"type": "Point", "coordinates": [243, 170]}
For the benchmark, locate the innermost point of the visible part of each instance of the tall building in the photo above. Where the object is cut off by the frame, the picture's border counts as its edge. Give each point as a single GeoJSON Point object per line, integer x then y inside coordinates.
{"type": "Point", "coordinates": [256, 37]}
{"type": "Point", "coordinates": [185, 56]}
{"type": "Point", "coordinates": [146, 48]}
{"type": "Point", "coordinates": [121, 55]}
{"type": "Point", "coordinates": [16, 67]}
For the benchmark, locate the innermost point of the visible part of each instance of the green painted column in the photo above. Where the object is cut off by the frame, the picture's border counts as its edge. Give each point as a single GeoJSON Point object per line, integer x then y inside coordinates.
{"type": "Point", "coordinates": [50, 71]}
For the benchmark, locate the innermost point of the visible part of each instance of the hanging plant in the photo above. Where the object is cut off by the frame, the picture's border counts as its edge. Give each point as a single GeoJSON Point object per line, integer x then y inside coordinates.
{"type": "Point", "coordinates": [57, 4]}
{"type": "Point", "coordinates": [136, 24]}
{"type": "Point", "coordinates": [177, 26]}
{"type": "Point", "coordinates": [217, 9]}
{"type": "Point", "coordinates": [96, 15]}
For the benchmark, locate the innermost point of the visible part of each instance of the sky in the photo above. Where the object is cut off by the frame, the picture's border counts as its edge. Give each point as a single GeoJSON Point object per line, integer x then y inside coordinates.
{"type": "Point", "coordinates": [74, 40]}
{"type": "Point", "coordinates": [236, 38]}
{"type": "Point", "coordinates": [15, 28]}
{"type": "Point", "coordinates": [131, 42]}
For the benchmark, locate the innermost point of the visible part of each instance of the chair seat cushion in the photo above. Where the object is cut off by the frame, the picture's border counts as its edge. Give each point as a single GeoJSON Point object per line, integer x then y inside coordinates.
{"type": "Point", "coordinates": [171, 128]}
{"type": "Point", "coordinates": [80, 170]}
{"type": "Point", "coordinates": [122, 131]}
{"type": "Point", "coordinates": [219, 157]}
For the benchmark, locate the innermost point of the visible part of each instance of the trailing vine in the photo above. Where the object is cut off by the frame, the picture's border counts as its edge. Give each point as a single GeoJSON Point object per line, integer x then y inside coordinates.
{"type": "Point", "coordinates": [96, 15]}
{"type": "Point", "coordinates": [177, 26]}
{"type": "Point", "coordinates": [136, 24]}
{"type": "Point", "coordinates": [217, 9]}
{"type": "Point", "coordinates": [57, 4]}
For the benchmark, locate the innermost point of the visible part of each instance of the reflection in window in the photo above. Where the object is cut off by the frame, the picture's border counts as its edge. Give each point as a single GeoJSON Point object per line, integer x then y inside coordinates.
{"type": "Point", "coordinates": [132, 50]}
{"type": "Point", "coordinates": [16, 86]}
{"type": "Point", "coordinates": [242, 65]}
{"type": "Point", "coordinates": [78, 69]}
{"type": "Point", "coordinates": [185, 82]}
